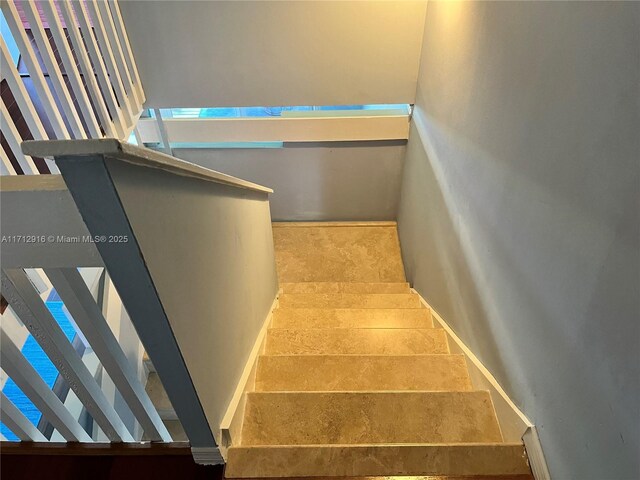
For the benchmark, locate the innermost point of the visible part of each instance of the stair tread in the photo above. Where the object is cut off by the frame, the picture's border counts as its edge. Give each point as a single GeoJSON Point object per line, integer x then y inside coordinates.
{"type": "Point", "coordinates": [352, 318]}
{"type": "Point", "coordinates": [362, 372]}
{"type": "Point", "coordinates": [369, 417]}
{"type": "Point", "coordinates": [346, 287]}
{"type": "Point", "coordinates": [349, 300]}
{"type": "Point", "coordinates": [356, 341]}
{"type": "Point", "coordinates": [354, 380]}
{"type": "Point", "coordinates": [320, 253]}
{"type": "Point", "coordinates": [376, 460]}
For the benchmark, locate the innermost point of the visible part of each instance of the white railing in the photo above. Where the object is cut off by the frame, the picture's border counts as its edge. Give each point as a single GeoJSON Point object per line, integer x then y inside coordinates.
{"type": "Point", "coordinates": [190, 252]}
{"type": "Point", "coordinates": [33, 264]}
{"type": "Point", "coordinates": [94, 92]}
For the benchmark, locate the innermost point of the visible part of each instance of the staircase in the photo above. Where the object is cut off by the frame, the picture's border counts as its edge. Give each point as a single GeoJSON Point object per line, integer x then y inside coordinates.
{"type": "Point", "coordinates": [354, 379]}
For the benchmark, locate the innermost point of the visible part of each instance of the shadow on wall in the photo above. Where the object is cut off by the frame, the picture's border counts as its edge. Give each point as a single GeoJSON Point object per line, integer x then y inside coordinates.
{"type": "Point", "coordinates": [561, 343]}
{"type": "Point", "coordinates": [317, 182]}
{"type": "Point", "coordinates": [519, 215]}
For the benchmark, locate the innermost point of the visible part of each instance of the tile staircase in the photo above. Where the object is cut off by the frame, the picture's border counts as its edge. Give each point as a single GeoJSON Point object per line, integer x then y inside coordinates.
{"type": "Point", "coordinates": [355, 380]}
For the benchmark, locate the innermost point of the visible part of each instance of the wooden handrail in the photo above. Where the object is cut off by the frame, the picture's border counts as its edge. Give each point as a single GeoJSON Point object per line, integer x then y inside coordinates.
{"type": "Point", "coordinates": [115, 149]}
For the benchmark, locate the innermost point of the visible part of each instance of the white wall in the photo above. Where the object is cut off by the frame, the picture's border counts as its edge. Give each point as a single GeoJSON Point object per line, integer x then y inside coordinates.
{"type": "Point", "coordinates": [209, 250]}
{"type": "Point", "coordinates": [519, 217]}
{"type": "Point", "coordinates": [329, 182]}
{"type": "Point", "coordinates": [230, 53]}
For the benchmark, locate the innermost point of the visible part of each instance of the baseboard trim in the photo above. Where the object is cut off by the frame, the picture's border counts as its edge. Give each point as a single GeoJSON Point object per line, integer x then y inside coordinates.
{"type": "Point", "coordinates": [537, 462]}
{"type": "Point", "coordinates": [514, 424]}
{"type": "Point", "coordinates": [231, 424]}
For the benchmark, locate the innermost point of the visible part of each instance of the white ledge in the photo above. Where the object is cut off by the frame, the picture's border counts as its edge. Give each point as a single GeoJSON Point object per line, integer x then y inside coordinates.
{"type": "Point", "coordinates": [115, 149]}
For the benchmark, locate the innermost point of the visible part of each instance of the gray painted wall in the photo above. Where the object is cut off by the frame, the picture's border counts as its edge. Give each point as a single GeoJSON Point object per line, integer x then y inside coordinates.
{"type": "Point", "coordinates": [230, 53]}
{"type": "Point", "coordinates": [519, 214]}
{"type": "Point", "coordinates": [317, 183]}
{"type": "Point", "coordinates": [209, 249]}
{"type": "Point", "coordinates": [41, 206]}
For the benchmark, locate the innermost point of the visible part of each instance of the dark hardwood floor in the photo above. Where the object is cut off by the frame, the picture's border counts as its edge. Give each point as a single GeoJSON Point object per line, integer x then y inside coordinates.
{"type": "Point", "coordinates": [48, 461]}
{"type": "Point", "coordinates": [69, 467]}
{"type": "Point", "coordinates": [23, 461]}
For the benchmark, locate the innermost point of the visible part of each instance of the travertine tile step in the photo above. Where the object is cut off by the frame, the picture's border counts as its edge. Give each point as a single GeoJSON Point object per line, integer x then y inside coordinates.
{"type": "Point", "coordinates": [355, 381]}
{"type": "Point", "coordinates": [349, 300]}
{"type": "Point", "coordinates": [376, 460]}
{"type": "Point", "coordinates": [364, 341]}
{"type": "Point", "coordinates": [369, 417]}
{"type": "Point", "coordinates": [352, 318]}
{"type": "Point", "coordinates": [362, 373]}
{"type": "Point", "coordinates": [345, 287]}
{"type": "Point", "coordinates": [321, 253]}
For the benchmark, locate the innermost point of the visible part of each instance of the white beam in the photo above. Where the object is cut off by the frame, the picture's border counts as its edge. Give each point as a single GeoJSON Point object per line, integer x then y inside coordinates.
{"type": "Point", "coordinates": [139, 141]}
{"type": "Point", "coordinates": [10, 73]}
{"type": "Point", "coordinates": [22, 98]}
{"type": "Point", "coordinates": [119, 55]}
{"type": "Point", "coordinates": [80, 303]}
{"type": "Point", "coordinates": [108, 55]}
{"type": "Point", "coordinates": [31, 383]}
{"type": "Point", "coordinates": [71, 69]}
{"type": "Point", "coordinates": [98, 63]}
{"type": "Point", "coordinates": [6, 167]}
{"type": "Point", "coordinates": [18, 423]}
{"type": "Point", "coordinates": [87, 69]}
{"type": "Point", "coordinates": [40, 282]}
{"type": "Point", "coordinates": [51, 64]}
{"type": "Point", "coordinates": [29, 57]}
{"type": "Point", "coordinates": [13, 138]}
{"type": "Point", "coordinates": [28, 305]}
{"type": "Point", "coordinates": [162, 132]}
{"type": "Point", "coordinates": [124, 40]}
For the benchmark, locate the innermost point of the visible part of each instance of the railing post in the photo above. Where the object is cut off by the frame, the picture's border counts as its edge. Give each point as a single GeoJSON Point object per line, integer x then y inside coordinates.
{"type": "Point", "coordinates": [26, 302]}
{"type": "Point", "coordinates": [87, 315]}
{"type": "Point", "coordinates": [12, 17]}
{"type": "Point", "coordinates": [97, 200]}
{"type": "Point", "coordinates": [18, 423]}
{"type": "Point", "coordinates": [32, 385]}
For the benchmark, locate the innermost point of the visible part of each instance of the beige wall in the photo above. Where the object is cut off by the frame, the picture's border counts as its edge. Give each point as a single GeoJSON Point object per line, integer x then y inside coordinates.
{"type": "Point", "coordinates": [209, 250]}
{"type": "Point", "coordinates": [230, 53]}
{"type": "Point", "coordinates": [519, 218]}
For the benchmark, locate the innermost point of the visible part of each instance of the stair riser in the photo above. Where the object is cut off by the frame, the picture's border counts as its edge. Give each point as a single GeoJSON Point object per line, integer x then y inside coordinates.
{"type": "Point", "coordinates": [348, 300]}
{"type": "Point", "coordinates": [362, 373]}
{"type": "Point", "coordinates": [368, 288]}
{"type": "Point", "coordinates": [371, 460]}
{"type": "Point", "coordinates": [352, 318]}
{"type": "Point", "coordinates": [356, 341]}
{"type": "Point", "coordinates": [367, 418]}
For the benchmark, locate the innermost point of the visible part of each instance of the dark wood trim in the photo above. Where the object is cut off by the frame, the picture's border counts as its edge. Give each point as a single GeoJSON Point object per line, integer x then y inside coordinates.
{"type": "Point", "coordinates": [95, 449]}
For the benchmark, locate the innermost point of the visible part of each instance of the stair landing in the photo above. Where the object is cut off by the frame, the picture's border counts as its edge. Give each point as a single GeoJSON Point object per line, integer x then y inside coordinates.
{"type": "Point", "coordinates": [355, 380]}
